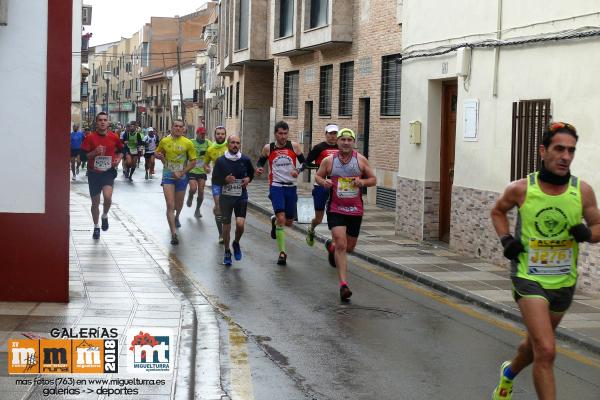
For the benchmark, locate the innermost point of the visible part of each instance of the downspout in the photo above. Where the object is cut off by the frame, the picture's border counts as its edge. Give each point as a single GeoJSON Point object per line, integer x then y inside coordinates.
{"type": "Point", "coordinates": [497, 50]}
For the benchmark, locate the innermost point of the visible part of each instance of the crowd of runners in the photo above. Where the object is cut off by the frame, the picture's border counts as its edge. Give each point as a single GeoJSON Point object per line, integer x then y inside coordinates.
{"type": "Point", "coordinates": [543, 254]}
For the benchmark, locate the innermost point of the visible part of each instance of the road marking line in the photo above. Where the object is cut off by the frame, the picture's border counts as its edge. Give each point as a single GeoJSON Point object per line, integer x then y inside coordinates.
{"type": "Point", "coordinates": [241, 381]}
{"type": "Point", "coordinates": [440, 298]}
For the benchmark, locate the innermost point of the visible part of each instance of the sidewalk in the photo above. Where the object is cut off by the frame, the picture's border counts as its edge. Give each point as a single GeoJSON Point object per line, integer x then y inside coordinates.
{"type": "Point", "coordinates": [470, 279]}
{"type": "Point", "coordinates": [124, 281]}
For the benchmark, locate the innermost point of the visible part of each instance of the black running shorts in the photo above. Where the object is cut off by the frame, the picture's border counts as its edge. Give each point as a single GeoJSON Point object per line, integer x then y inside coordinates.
{"type": "Point", "coordinates": [197, 177]}
{"type": "Point", "coordinates": [351, 222]}
{"type": "Point", "coordinates": [558, 299]}
{"type": "Point", "coordinates": [231, 204]}
{"type": "Point", "coordinates": [97, 180]}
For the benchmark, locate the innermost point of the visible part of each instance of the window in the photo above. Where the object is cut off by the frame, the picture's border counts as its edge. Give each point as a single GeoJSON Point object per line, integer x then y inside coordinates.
{"type": "Point", "coordinates": [237, 99]}
{"type": "Point", "coordinates": [286, 18]}
{"type": "Point", "coordinates": [530, 117]}
{"type": "Point", "coordinates": [230, 100]}
{"type": "Point", "coordinates": [346, 88]}
{"type": "Point", "coordinates": [242, 25]}
{"type": "Point", "coordinates": [227, 94]}
{"type": "Point", "coordinates": [318, 13]}
{"type": "Point", "coordinates": [391, 73]}
{"type": "Point", "coordinates": [325, 87]}
{"type": "Point", "coordinates": [145, 55]}
{"type": "Point", "coordinates": [290, 93]}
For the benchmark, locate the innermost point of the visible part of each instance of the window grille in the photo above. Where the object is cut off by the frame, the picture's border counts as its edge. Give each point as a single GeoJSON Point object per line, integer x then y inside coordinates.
{"type": "Point", "coordinates": [290, 93]}
{"type": "Point", "coordinates": [391, 74]}
{"type": "Point", "coordinates": [325, 88]}
{"type": "Point", "coordinates": [529, 119]}
{"type": "Point", "coordinates": [346, 88]}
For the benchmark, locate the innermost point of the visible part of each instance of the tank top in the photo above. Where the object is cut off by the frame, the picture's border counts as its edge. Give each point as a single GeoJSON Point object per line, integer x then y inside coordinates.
{"type": "Point", "coordinates": [282, 161]}
{"type": "Point", "coordinates": [543, 223]}
{"type": "Point", "coordinates": [345, 198]}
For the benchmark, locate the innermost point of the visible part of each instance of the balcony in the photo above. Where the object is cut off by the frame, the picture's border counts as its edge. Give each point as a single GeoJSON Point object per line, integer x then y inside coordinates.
{"type": "Point", "coordinates": [250, 32]}
{"type": "Point", "coordinates": [285, 40]}
{"type": "Point", "coordinates": [328, 25]}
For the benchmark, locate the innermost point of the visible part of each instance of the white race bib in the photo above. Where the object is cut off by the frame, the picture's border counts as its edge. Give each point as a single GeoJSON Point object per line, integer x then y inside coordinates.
{"type": "Point", "coordinates": [233, 189]}
{"type": "Point", "coordinates": [102, 163]}
{"type": "Point", "coordinates": [550, 257]}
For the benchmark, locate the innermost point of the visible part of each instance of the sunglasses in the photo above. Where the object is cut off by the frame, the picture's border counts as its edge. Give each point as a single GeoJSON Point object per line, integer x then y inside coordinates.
{"type": "Point", "coordinates": [555, 126]}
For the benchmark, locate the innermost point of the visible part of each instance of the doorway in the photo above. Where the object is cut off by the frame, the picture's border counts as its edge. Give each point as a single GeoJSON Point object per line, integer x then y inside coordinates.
{"type": "Point", "coordinates": [364, 116]}
{"type": "Point", "coordinates": [307, 135]}
{"type": "Point", "coordinates": [447, 145]}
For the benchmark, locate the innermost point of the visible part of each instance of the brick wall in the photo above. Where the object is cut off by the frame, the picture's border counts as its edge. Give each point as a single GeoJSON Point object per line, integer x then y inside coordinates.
{"type": "Point", "coordinates": [376, 34]}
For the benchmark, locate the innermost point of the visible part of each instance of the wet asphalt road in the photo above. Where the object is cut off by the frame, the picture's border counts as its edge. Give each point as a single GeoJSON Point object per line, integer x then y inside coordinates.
{"type": "Point", "coordinates": [395, 340]}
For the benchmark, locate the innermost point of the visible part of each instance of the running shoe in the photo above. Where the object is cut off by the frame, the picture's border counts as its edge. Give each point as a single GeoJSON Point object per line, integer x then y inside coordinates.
{"type": "Point", "coordinates": [130, 177]}
{"type": "Point", "coordinates": [104, 224]}
{"type": "Point", "coordinates": [504, 389]}
{"type": "Point", "coordinates": [73, 178]}
{"type": "Point", "coordinates": [345, 293]}
{"type": "Point", "coordinates": [96, 234]}
{"type": "Point", "coordinates": [227, 258]}
{"type": "Point", "coordinates": [282, 260]}
{"type": "Point", "coordinates": [221, 239]}
{"type": "Point", "coordinates": [177, 223]}
{"type": "Point", "coordinates": [146, 177]}
{"type": "Point", "coordinates": [237, 251]}
{"type": "Point", "coordinates": [77, 171]}
{"type": "Point", "coordinates": [174, 239]}
{"type": "Point", "coordinates": [190, 200]}
{"type": "Point", "coordinates": [197, 213]}
{"type": "Point", "coordinates": [310, 236]}
{"type": "Point", "coordinates": [330, 247]}
{"type": "Point", "coordinates": [273, 227]}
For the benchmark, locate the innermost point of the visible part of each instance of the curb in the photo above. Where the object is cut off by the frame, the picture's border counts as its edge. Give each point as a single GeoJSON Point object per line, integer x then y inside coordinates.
{"type": "Point", "coordinates": [444, 287]}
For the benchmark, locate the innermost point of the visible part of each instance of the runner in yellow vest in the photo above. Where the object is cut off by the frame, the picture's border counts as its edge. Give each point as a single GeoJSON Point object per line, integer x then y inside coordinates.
{"type": "Point", "coordinates": [551, 205]}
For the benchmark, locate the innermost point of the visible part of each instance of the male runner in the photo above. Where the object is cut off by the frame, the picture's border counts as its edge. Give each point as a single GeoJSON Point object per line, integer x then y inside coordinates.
{"type": "Point", "coordinates": [151, 141]}
{"type": "Point", "coordinates": [76, 140]}
{"type": "Point", "coordinates": [82, 158]}
{"type": "Point", "coordinates": [103, 151]}
{"type": "Point", "coordinates": [214, 151]}
{"type": "Point", "coordinates": [233, 171]}
{"type": "Point", "coordinates": [551, 204]}
{"type": "Point", "coordinates": [344, 174]}
{"type": "Point", "coordinates": [178, 156]}
{"type": "Point", "coordinates": [134, 140]}
{"type": "Point", "coordinates": [319, 193]}
{"type": "Point", "coordinates": [282, 155]}
{"type": "Point", "coordinates": [197, 176]}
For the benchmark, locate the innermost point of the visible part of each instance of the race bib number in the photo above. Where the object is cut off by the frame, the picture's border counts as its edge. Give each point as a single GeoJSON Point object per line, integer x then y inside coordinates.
{"type": "Point", "coordinates": [550, 257]}
{"type": "Point", "coordinates": [233, 189]}
{"type": "Point", "coordinates": [174, 166]}
{"type": "Point", "coordinates": [102, 163]}
{"type": "Point", "coordinates": [346, 188]}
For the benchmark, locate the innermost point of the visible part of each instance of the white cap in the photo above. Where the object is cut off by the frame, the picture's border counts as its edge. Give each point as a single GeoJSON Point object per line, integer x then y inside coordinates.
{"type": "Point", "coordinates": [150, 129]}
{"type": "Point", "coordinates": [331, 128]}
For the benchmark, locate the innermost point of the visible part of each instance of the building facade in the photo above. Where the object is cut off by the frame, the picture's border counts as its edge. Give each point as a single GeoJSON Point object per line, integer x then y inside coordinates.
{"type": "Point", "coordinates": [472, 118]}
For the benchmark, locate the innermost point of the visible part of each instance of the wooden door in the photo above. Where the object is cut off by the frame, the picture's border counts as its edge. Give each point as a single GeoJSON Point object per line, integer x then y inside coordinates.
{"type": "Point", "coordinates": [448, 138]}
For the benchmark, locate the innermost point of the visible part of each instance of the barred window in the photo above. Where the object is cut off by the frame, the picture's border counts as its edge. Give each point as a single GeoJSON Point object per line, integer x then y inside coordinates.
{"type": "Point", "coordinates": [290, 93]}
{"type": "Point", "coordinates": [346, 88]}
{"type": "Point", "coordinates": [391, 74]}
{"type": "Point", "coordinates": [529, 119]}
{"type": "Point", "coordinates": [325, 88]}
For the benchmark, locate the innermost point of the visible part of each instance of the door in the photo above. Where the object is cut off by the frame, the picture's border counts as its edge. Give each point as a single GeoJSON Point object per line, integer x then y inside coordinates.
{"type": "Point", "coordinates": [308, 127]}
{"type": "Point", "coordinates": [364, 115]}
{"type": "Point", "coordinates": [448, 138]}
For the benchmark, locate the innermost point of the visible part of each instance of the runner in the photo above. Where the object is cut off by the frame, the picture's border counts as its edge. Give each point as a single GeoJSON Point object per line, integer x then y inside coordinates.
{"type": "Point", "coordinates": [319, 193]}
{"type": "Point", "coordinates": [233, 171]}
{"type": "Point", "coordinates": [551, 204]}
{"type": "Point", "coordinates": [82, 158]}
{"type": "Point", "coordinates": [76, 140]}
{"type": "Point", "coordinates": [344, 174]}
{"type": "Point", "coordinates": [151, 141]}
{"type": "Point", "coordinates": [178, 156]}
{"type": "Point", "coordinates": [282, 155]}
{"type": "Point", "coordinates": [197, 175]}
{"type": "Point", "coordinates": [142, 147]}
{"type": "Point", "coordinates": [103, 151]}
{"type": "Point", "coordinates": [134, 140]}
{"type": "Point", "coordinates": [216, 150]}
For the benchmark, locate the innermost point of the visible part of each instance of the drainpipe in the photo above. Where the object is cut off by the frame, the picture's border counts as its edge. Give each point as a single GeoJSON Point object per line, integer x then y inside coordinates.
{"type": "Point", "coordinates": [497, 50]}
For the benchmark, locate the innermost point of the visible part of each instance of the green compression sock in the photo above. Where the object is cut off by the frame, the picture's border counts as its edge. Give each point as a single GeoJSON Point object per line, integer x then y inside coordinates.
{"type": "Point", "coordinates": [280, 235]}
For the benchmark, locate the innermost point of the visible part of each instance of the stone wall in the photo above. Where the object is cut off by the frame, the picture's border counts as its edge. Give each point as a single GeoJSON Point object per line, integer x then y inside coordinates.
{"type": "Point", "coordinates": [417, 209]}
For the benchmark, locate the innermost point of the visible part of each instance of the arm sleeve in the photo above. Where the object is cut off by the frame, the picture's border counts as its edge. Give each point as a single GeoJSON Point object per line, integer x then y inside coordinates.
{"type": "Point", "coordinates": [313, 154]}
{"type": "Point", "coordinates": [301, 158]}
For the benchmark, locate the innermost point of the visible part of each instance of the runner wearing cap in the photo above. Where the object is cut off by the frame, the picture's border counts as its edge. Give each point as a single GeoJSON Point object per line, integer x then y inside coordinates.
{"type": "Point", "coordinates": [197, 176]}
{"type": "Point", "coordinates": [319, 193]}
{"type": "Point", "coordinates": [344, 174]}
{"type": "Point", "coordinates": [151, 141]}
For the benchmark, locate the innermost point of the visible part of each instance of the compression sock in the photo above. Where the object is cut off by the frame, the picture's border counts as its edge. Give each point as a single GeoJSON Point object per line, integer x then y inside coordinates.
{"type": "Point", "coordinates": [219, 222]}
{"type": "Point", "coordinates": [280, 235]}
{"type": "Point", "coordinates": [199, 200]}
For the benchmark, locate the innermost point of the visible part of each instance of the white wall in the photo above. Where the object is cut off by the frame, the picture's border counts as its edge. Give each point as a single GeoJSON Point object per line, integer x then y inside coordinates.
{"type": "Point", "coordinates": [76, 45]}
{"type": "Point", "coordinates": [23, 50]}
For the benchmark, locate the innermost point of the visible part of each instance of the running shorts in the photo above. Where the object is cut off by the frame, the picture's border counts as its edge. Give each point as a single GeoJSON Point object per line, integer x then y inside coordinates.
{"type": "Point", "coordinates": [216, 190]}
{"type": "Point", "coordinates": [180, 184]}
{"type": "Point", "coordinates": [97, 180]}
{"type": "Point", "coordinates": [284, 199]}
{"type": "Point", "coordinates": [74, 153]}
{"type": "Point", "coordinates": [559, 300]}
{"type": "Point", "coordinates": [320, 196]}
{"type": "Point", "coordinates": [196, 177]}
{"type": "Point", "coordinates": [232, 204]}
{"type": "Point", "coordinates": [351, 222]}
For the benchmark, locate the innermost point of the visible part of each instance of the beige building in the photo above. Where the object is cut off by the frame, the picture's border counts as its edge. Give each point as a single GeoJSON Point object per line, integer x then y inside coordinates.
{"type": "Point", "coordinates": [315, 62]}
